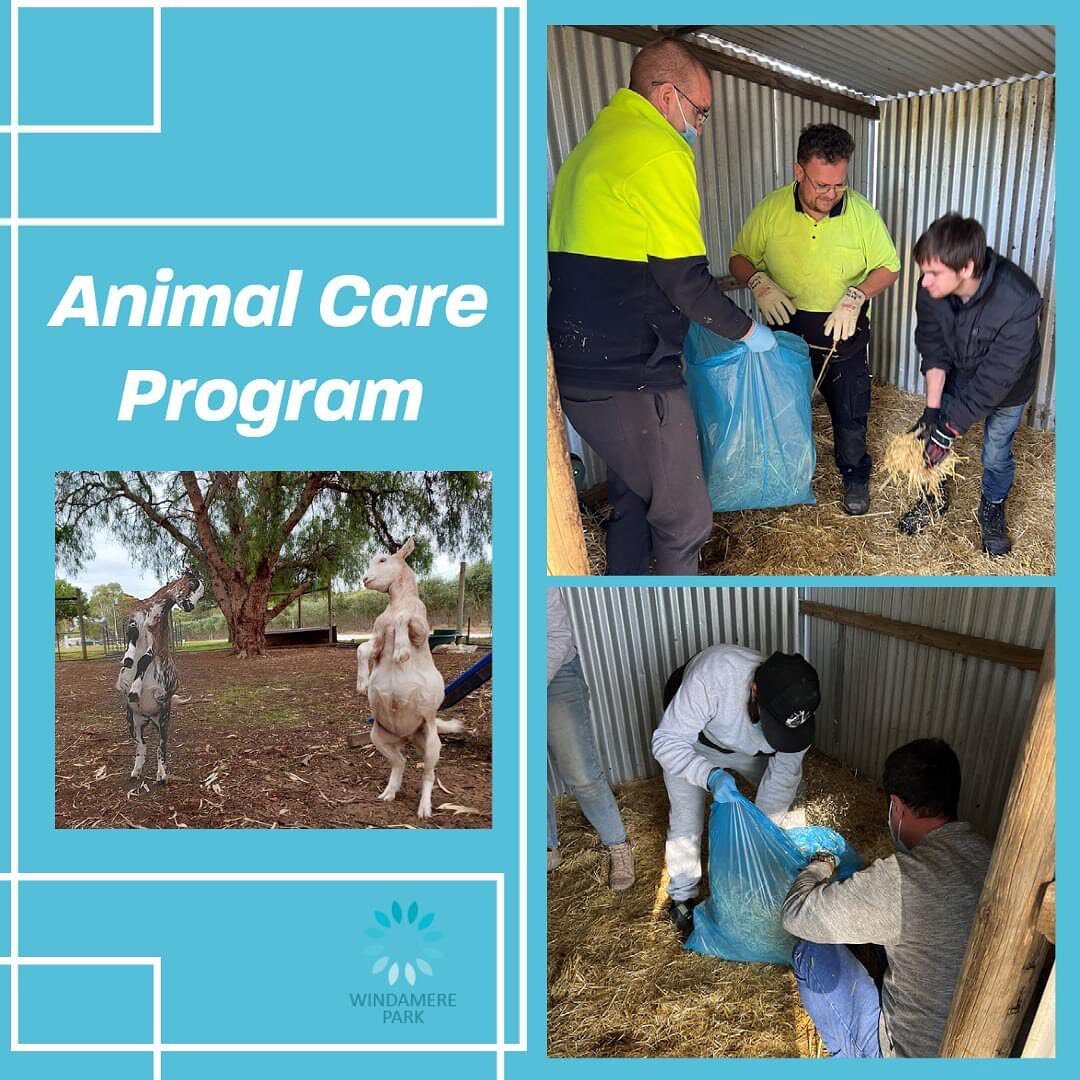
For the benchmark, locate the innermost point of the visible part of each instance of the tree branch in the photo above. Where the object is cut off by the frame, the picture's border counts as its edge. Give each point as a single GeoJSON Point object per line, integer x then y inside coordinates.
{"type": "Point", "coordinates": [277, 609]}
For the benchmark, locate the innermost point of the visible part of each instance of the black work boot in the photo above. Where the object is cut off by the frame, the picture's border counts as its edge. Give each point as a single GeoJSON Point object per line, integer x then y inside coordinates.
{"type": "Point", "coordinates": [995, 537]}
{"type": "Point", "coordinates": [681, 913]}
{"type": "Point", "coordinates": [925, 511]}
{"type": "Point", "coordinates": [856, 497]}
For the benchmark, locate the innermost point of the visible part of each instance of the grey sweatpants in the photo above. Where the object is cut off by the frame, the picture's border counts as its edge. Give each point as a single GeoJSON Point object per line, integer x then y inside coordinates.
{"type": "Point", "coordinates": [656, 484]}
{"type": "Point", "coordinates": [686, 819]}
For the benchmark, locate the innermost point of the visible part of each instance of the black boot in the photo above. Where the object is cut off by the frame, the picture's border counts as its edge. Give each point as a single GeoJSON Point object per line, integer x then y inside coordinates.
{"type": "Point", "coordinates": [925, 511]}
{"type": "Point", "coordinates": [995, 537]}
{"type": "Point", "coordinates": [856, 497]}
{"type": "Point", "coordinates": [681, 913]}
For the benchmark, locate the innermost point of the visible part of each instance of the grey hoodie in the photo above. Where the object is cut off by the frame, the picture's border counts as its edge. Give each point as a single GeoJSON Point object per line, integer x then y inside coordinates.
{"type": "Point", "coordinates": [920, 906]}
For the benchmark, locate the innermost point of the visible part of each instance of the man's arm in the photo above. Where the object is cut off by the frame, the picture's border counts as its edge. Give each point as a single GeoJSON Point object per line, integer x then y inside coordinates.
{"type": "Point", "coordinates": [674, 741]}
{"type": "Point", "coordinates": [741, 269]}
{"type": "Point", "coordinates": [999, 370]}
{"type": "Point", "coordinates": [664, 192]}
{"type": "Point", "coordinates": [877, 281]}
{"type": "Point", "coordinates": [865, 908]}
{"type": "Point", "coordinates": [929, 337]}
{"type": "Point", "coordinates": [779, 784]}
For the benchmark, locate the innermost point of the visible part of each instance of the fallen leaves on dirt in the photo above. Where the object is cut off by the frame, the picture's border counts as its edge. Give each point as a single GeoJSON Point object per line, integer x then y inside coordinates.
{"type": "Point", "coordinates": [262, 745]}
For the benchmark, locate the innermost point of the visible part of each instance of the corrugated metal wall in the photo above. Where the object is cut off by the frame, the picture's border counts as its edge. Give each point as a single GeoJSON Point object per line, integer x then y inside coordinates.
{"type": "Point", "coordinates": [879, 692]}
{"type": "Point", "coordinates": [746, 150]}
{"type": "Point", "coordinates": [630, 641]}
{"type": "Point", "coordinates": [988, 153]}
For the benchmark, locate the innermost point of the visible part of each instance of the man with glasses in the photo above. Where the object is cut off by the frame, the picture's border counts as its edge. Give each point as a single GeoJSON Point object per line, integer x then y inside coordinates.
{"type": "Point", "coordinates": [628, 271]}
{"type": "Point", "coordinates": [814, 253]}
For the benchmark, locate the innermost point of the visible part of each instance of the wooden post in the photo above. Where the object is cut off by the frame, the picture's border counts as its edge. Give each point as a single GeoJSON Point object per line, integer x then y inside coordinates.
{"type": "Point", "coordinates": [565, 541]}
{"type": "Point", "coordinates": [1005, 952]}
{"type": "Point", "coordinates": [300, 611]}
{"type": "Point", "coordinates": [461, 596]}
{"type": "Point", "coordinates": [329, 615]}
{"type": "Point", "coordinates": [82, 634]}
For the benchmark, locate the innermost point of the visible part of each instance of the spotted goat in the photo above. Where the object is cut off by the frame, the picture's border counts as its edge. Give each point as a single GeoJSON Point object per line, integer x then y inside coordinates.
{"type": "Point", "coordinates": [404, 688]}
{"type": "Point", "coordinates": [147, 680]}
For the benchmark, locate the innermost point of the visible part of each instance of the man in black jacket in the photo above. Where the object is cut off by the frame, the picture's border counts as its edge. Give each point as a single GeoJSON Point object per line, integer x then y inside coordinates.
{"type": "Point", "coordinates": [977, 331]}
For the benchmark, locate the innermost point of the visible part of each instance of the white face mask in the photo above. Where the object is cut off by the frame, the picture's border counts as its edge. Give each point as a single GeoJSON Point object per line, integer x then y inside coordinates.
{"type": "Point", "coordinates": [895, 835]}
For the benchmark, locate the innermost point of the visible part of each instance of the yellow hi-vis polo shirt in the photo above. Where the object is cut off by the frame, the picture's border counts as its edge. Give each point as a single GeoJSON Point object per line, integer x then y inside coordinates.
{"type": "Point", "coordinates": [815, 261]}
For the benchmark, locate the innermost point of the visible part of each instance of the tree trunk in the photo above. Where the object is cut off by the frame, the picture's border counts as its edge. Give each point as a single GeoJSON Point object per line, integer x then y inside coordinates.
{"type": "Point", "coordinates": [249, 635]}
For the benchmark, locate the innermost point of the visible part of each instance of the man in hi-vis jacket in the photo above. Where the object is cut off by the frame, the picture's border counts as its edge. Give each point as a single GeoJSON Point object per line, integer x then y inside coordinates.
{"type": "Point", "coordinates": [628, 272]}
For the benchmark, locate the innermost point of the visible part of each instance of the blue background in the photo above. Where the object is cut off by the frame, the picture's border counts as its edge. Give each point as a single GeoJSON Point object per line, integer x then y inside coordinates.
{"type": "Point", "coordinates": [311, 113]}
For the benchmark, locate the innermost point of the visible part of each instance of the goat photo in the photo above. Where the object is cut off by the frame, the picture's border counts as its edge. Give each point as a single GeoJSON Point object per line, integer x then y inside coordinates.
{"type": "Point", "coordinates": [403, 685]}
{"type": "Point", "coordinates": [276, 650]}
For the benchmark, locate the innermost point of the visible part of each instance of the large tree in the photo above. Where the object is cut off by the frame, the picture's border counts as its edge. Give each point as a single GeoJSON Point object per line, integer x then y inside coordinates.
{"type": "Point", "coordinates": [261, 539]}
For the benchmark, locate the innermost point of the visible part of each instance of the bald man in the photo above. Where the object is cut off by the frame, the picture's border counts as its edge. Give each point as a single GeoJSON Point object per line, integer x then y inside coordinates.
{"type": "Point", "coordinates": [628, 273]}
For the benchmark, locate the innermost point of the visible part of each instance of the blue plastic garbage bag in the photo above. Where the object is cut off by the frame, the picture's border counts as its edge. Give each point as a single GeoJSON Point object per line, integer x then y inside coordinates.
{"type": "Point", "coordinates": [753, 419]}
{"type": "Point", "coordinates": [752, 863]}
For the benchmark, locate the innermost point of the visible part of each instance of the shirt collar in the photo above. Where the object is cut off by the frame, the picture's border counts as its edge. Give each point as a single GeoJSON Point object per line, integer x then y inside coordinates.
{"type": "Point", "coordinates": [836, 211]}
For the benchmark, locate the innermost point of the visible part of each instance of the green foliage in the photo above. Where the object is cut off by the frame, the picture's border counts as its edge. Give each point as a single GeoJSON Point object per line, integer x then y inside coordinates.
{"type": "Point", "coordinates": [296, 527]}
{"type": "Point", "coordinates": [104, 598]}
{"type": "Point", "coordinates": [74, 603]}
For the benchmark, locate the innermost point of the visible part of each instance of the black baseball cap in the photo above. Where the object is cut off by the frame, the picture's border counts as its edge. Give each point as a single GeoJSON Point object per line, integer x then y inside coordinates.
{"type": "Point", "coordinates": [788, 692]}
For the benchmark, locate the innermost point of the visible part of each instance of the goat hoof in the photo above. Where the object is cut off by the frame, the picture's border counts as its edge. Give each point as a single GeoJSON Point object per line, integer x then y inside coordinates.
{"type": "Point", "coordinates": [136, 774]}
{"type": "Point", "coordinates": [402, 656]}
{"type": "Point", "coordinates": [424, 810]}
{"type": "Point", "coordinates": [387, 795]}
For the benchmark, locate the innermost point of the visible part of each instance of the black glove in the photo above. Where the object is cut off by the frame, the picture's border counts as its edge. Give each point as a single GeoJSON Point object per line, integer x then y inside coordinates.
{"type": "Point", "coordinates": [926, 423]}
{"type": "Point", "coordinates": [940, 443]}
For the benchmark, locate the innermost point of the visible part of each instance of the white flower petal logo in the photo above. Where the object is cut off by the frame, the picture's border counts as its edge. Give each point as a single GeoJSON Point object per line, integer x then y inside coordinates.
{"type": "Point", "coordinates": [403, 944]}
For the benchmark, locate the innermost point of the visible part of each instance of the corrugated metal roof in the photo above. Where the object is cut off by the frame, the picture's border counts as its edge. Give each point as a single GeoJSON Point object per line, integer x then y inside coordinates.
{"type": "Point", "coordinates": [894, 61]}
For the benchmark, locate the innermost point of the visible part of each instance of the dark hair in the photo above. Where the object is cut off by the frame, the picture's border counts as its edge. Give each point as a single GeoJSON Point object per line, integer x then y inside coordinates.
{"type": "Point", "coordinates": [665, 60]}
{"type": "Point", "coordinates": [954, 241]}
{"type": "Point", "coordinates": [826, 141]}
{"type": "Point", "coordinates": [926, 775]}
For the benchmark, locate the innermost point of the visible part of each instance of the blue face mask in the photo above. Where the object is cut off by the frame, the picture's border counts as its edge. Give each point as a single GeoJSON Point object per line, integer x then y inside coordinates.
{"type": "Point", "coordinates": [689, 132]}
{"type": "Point", "coordinates": [895, 835]}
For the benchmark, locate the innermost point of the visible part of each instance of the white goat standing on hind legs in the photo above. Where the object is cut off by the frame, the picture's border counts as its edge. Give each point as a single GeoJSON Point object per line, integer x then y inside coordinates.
{"type": "Point", "coordinates": [404, 688]}
{"type": "Point", "coordinates": [147, 679]}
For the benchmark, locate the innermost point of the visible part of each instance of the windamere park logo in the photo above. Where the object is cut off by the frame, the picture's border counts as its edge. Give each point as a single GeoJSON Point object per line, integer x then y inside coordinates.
{"type": "Point", "coordinates": [403, 952]}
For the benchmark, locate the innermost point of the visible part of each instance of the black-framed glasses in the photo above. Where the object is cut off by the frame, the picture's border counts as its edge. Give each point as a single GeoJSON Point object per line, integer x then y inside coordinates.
{"type": "Point", "coordinates": [702, 114]}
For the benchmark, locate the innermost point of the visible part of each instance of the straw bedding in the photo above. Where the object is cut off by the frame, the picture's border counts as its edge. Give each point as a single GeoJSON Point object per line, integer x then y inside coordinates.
{"type": "Point", "coordinates": [823, 540]}
{"type": "Point", "coordinates": [620, 985]}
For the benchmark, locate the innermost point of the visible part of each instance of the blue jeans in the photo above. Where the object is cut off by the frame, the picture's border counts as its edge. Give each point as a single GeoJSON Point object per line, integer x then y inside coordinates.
{"type": "Point", "coordinates": [571, 744]}
{"type": "Point", "coordinates": [999, 468]}
{"type": "Point", "coordinates": [841, 998]}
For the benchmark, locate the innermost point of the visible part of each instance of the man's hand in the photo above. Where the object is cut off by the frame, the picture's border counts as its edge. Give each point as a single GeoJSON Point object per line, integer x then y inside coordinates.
{"type": "Point", "coordinates": [840, 325]}
{"type": "Point", "coordinates": [722, 785]}
{"type": "Point", "coordinates": [759, 338]}
{"type": "Point", "coordinates": [939, 443]}
{"type": "Point", "coordinates": [924, 426]}
{"type": "Point", "coordinates": [826, 857]}
{"type": "Point", "coordinates": [776, 306]}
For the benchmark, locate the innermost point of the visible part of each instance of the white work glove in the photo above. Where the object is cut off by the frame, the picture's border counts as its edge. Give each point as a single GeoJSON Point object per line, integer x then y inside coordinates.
{"type": "Point", "coordinates": [840, 325]}
{"type": "Point", "coordinates": [776, 306]}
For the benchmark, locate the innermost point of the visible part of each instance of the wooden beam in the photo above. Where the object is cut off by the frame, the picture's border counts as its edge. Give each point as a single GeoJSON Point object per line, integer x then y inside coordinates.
{"type": "Point", "coordinates": [566, 553]}
{"type": "Point", "coordinates": [999, 652]}
{"type": "Point", "coordinates": [1046, 923]}
{"type": "Point", "coordinates": [1005, 952]}
{"type": "Point", "coordinates": [721, 62]}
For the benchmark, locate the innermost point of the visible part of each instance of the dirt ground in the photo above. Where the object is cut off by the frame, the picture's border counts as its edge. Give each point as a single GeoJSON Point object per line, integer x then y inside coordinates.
{"type": "Point", "coordinates": [262, 745]}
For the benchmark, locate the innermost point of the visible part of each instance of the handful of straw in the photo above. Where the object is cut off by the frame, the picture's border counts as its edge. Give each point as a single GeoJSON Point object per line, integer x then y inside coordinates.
{"type": "Point", "coordinates": [905, 466]}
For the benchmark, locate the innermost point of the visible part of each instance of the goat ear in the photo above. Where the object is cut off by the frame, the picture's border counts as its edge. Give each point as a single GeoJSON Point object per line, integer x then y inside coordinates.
{"type": "Point", "coordinates": [405, 550]}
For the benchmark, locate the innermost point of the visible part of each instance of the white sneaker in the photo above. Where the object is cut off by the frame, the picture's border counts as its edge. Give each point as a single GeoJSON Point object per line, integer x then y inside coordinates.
{"type": "Point", "coordinates": [621, 874]}
{"type": "Point", "coordinates": [554, 858]}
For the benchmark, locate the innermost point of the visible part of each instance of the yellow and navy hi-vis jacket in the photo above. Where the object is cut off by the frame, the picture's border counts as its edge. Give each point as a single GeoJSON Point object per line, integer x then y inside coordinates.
{"type": "Point", "coordinates": [626, 255]}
